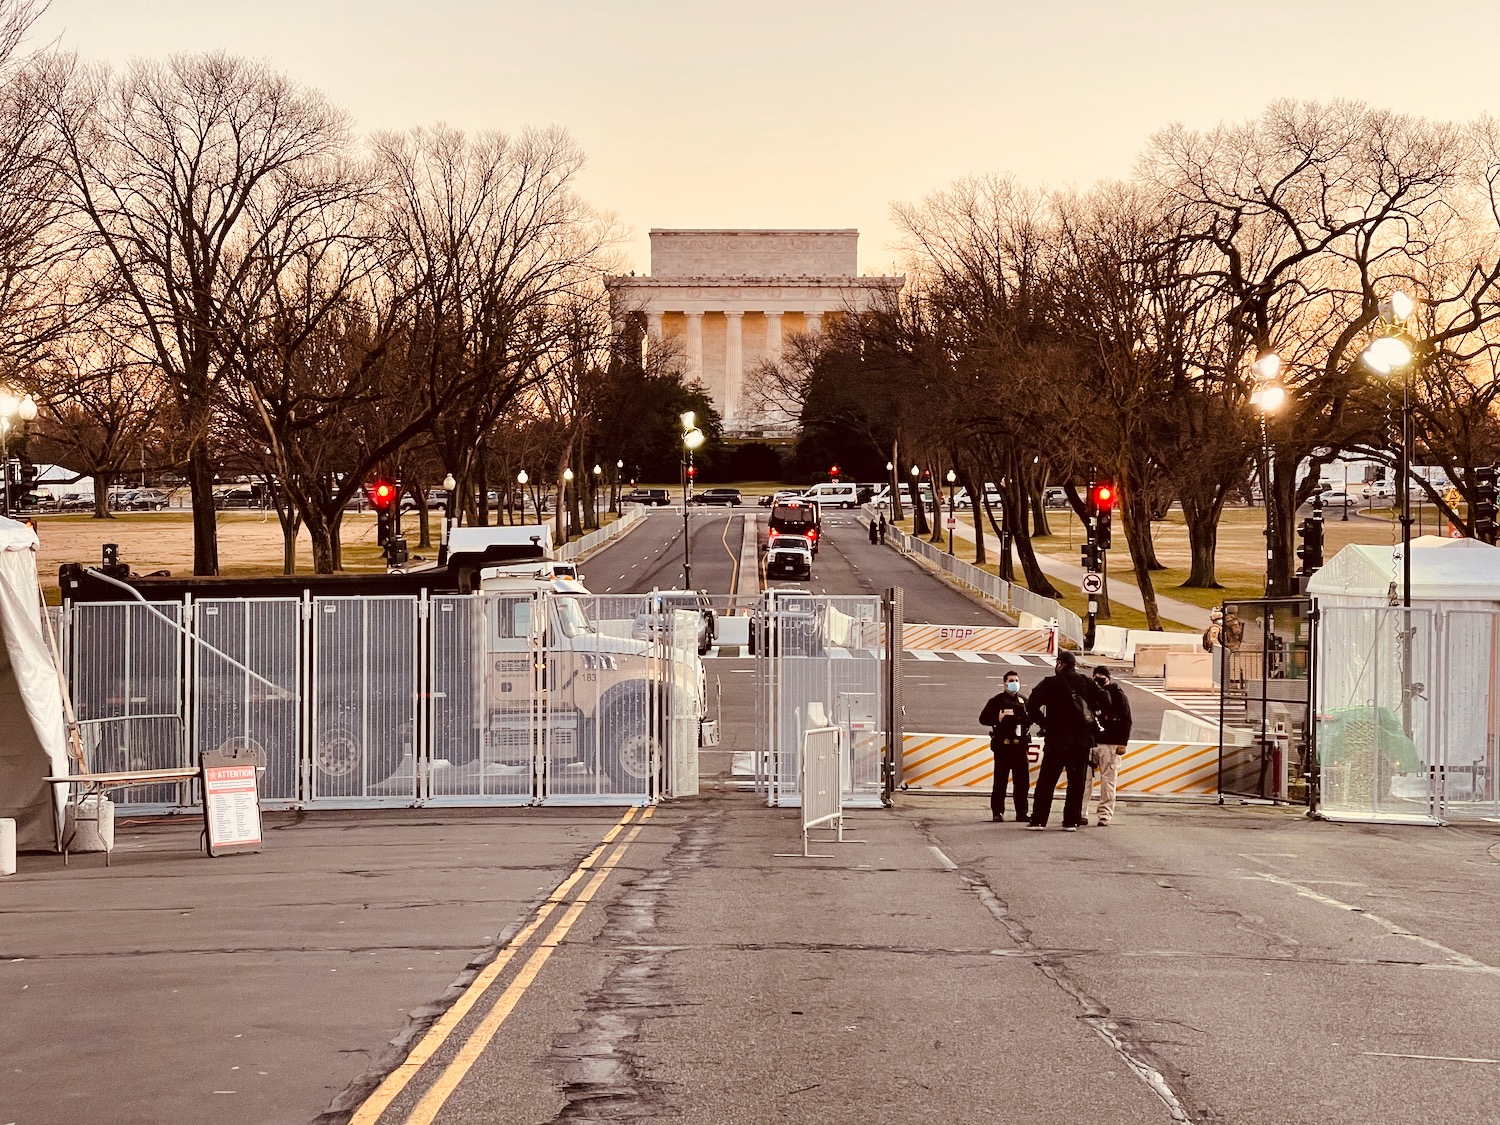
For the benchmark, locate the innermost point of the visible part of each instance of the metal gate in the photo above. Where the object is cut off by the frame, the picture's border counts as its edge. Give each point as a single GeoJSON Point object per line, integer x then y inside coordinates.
{"type": "Point", "coordinates": [1265, 677]}
{"type": "Point", "coordinates": [458, 699]}
{"type": "Point", "coordinates": [819, 663]}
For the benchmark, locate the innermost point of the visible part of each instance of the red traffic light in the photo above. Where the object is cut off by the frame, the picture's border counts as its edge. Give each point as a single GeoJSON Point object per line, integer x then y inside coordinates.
{"type": "Point", "coordinates": [1104, 497]}
{"type": "Point", "coordinates": [383, 495]}
{"type": "Point", "coordinates": [834, 472]}
{"type": "Point", "coordinates": [692, 471]}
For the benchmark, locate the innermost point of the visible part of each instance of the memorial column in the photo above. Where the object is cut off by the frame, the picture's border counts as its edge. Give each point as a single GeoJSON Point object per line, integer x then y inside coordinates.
{"type": "Point", "coordinates": [734, 364]}
{"type": "Point", "coordinates": [694, 345]}
{"type": "Point", "coordinates": [773, 337]}
{"type": "Point", "coordinates": [814, 323]}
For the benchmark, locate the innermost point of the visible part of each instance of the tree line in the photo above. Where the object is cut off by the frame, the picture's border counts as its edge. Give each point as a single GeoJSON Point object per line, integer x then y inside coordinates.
{"type": "Point", "coordinates": [206, 269]}
{"type": "Point", "coordinates": [1058, 337]}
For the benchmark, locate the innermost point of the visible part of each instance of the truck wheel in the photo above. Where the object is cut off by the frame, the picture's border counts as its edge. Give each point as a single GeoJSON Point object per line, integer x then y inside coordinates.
{"type": "Point", "coordinates": [336, 755]}
{"type": "Point", "coordinates": [629, 749]}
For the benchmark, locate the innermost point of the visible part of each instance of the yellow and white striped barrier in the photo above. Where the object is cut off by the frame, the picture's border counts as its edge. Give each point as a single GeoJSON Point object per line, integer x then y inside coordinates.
{"type": "Point", "coordinates": [977, 638]}
{"type": "Point", "coordinates": [962, 763]}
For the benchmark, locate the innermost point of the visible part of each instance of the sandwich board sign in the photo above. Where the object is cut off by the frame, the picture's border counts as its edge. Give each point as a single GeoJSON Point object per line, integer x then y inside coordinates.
{"type": "Point", "coordinates": [231, 797]}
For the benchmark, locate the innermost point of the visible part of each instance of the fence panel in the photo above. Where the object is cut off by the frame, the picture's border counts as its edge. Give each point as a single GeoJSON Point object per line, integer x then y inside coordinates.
{"type": "Point", "coordinates": [233, 707]}
{"type": "Point", "coordinates": [1374, 723]}
{"type": "Point", "coordinates": [364, 700]}
{"type": "Point", "coordinates": [818, 661]}
{"type": "Point", "coordinates": [127, 687]}
{"type": "Point", "coordinates": [484, 692]}
{"type": "Point", "coordinates": [1466, 714]}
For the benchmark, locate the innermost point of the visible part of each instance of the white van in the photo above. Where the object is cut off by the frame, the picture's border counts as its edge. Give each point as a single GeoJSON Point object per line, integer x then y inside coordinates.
{"type": "Point", "coordinates": [831, 495]}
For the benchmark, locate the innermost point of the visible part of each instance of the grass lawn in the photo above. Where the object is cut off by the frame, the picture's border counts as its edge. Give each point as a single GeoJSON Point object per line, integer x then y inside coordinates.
{"type": "Point", "coordinates": [1240, 557]}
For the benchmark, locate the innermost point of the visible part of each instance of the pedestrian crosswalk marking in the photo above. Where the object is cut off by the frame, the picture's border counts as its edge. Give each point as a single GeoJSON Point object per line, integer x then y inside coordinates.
{"type": "Point", "coordinates": [1012, 658]}
{"type": "Point", "coordinates": [971, 657]}
{"type": "Point", "coordinates": [922, 654]}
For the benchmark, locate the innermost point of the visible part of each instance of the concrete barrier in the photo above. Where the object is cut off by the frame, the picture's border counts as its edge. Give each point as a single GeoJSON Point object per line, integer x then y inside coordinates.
{"type": "Point", "coordinates": [963, 763]}
{"type": "Point", "coordinates": [7, 846]}
{"type": "Point", "coordinates": [1190, 671]}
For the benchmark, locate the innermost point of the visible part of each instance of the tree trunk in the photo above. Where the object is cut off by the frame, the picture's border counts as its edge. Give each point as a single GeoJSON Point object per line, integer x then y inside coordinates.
{"type": "Point", "coordinates": [102, 483]}
{"type": "Point", "coordinates": [937, 507]}
{"type": "Point", "coordinates": [1202, 519]}
{"type": "Point", "coordinates": [323, 535]}
{"type": "Point", "coordinates": [200, 475]}
{"type": "Point", "coordinates": [291, 523]}
{"type": "Point", "coordinates": [1137, 520]}
{"type": "Point", "coordinates": [975, 500]}
{"type": "Point", "coordinates": [1013, 497]}
{"type": "Point", "coordinates": [918, 511]}
{"type": "Point", "coordinates": [1036, 498]}
{"type": "Point", "coordinates": [1007, 566]}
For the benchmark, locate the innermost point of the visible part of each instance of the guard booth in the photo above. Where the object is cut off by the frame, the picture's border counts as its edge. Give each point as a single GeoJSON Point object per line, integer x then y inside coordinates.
{"type": "Point", "coordinates": [1266, 675]}
{"type": "Point", "coordinates": [1407, 708]}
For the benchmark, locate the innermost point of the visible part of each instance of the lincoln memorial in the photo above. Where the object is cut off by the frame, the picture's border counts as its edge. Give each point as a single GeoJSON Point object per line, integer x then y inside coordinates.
{"type": "Point", "coordinates": [732, 297]}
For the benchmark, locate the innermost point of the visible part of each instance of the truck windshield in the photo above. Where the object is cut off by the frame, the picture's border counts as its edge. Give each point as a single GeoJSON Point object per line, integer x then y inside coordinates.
{"type": "Point", "coordinates": [570, 617]}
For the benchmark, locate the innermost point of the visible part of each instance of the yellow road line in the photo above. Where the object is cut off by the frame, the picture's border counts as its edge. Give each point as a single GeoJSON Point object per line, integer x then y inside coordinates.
{"type": "Point", "coordinates": [397, 1080]}
{"type": "Point", "coordinates": [734, 576]}
{"type": "Point", "coordinates": [474, 1046]}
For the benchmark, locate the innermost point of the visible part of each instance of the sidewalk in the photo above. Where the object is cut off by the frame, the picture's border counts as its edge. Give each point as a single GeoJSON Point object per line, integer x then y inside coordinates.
{"type": "Point", "coordinates": [1122, 587]}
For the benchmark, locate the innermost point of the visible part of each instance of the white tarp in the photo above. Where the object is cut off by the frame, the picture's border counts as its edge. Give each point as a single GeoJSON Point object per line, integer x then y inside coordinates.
{"type": "Point", "coordinates": [34, 743]}
{"type": "Point", "coordinates": [1442, 570]}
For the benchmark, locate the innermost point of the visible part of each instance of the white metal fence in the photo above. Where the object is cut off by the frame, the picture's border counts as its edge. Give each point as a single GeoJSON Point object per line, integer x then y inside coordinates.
{"type": "Point", "coordinates": [454, 699]}
{"type": "Point", "coordinates": [819, 663]}
{"type": "Point", "coordinates": [629, 517]}
{"type": "Point", "coordinates": [1015, 598]}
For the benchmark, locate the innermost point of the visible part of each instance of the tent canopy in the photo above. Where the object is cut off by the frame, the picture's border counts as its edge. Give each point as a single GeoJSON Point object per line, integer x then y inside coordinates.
{"type": "Point", "coordinates": [1441, 570]}
{"type": "Point", "coordinates": [34, 743]}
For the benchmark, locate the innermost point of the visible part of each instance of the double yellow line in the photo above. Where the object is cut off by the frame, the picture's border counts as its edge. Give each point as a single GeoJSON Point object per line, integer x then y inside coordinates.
{"type": "Point", "coordinates": [447, 1081]}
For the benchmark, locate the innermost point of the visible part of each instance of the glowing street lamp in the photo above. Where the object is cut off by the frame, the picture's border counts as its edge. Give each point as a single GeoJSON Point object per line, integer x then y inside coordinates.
{"type": "Point", "coordinates": [1388, 355]}
{"type": "Point", "coordinates": [1268, 395]}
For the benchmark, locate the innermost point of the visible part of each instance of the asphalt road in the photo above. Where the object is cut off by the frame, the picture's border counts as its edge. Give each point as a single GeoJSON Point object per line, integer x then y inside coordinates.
{"type": "Point", "coordinates": [941, 697]}
{"type": "Point", "coordinates": [1189, 964]}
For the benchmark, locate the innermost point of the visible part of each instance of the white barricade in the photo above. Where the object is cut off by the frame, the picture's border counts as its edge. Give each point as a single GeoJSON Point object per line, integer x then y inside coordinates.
{"type": "Point", "coordinates": [822, 784]}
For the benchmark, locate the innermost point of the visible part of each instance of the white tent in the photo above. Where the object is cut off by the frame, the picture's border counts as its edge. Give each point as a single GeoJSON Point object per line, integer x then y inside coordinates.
{"type": "Point", "coordinates": [1408, 710]}
{"type": "Point", "coordinates": [1459, 573]}
{"type": "Point", "coordinates": [34, 742]}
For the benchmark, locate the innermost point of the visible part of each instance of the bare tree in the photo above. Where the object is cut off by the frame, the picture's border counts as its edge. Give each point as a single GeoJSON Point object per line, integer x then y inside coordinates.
{"type": "Point", "coordinates": [189, 173]}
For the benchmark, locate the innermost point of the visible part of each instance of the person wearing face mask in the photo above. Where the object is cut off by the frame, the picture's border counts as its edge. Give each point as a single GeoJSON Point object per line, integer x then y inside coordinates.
{"type": "Point", "coordinates": [1114, 734]}
{"type": "Point", "coordinates": [1010, 739]}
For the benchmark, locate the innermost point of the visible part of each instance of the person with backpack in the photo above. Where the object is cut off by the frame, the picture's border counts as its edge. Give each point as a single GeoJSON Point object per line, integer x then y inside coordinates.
{"type": "Point", "coordinates": [1065, 704]}
{"type": "Point", "coordinates": [1114, 732]}
{"type": "Point", "coordinates": [1010, 741]}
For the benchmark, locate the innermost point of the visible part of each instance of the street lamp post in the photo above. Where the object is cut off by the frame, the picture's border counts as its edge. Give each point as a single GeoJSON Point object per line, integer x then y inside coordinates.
{"type": "Point", "coordinates": [916, 496]}
{"type": "Point", "coordinates": [692, 438]}
{"type": "Point", "coordinates": [450, 486]}
{"type": "Point", "coordinates": [567, 521]}
{"type": "Point", "coordinates": [1388, 354]}
{"type": "Point", "coordinates": [598, 476]}
{"type": "Point", "coordinates": [952, 519]}
{"type": "Point", "coordinates": [1268, 395]}
{"type": "Point", "coordinates": [11, 407]}
{"type": "Point", "coordinates": [619, 469]}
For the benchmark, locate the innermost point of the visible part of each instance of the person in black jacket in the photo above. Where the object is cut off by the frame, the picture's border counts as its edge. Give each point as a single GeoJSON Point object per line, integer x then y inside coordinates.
{"type": "Point", "coordinates": [1010, 739]}
{"type": "Point", "coordinates": [1114, 733]}
{"type": "Point", "coordinates": [1065, 704]}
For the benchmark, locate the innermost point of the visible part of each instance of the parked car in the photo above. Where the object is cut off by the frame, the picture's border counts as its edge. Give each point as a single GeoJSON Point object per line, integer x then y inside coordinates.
{"type": "Point", "coordinates": [650, 622]}
{"type": "Point", "coordinates": [790, 556]}
{"type": "Point", "coordinates": [142, 500]}
{"type": "Point", "coordinates": [1337, 498]}
{"type": "Point", "coordinates": [1055, 498]}
{"type": "Point", "coordinates": [778, 496]}
{"type": "Point", "coordinates": [1378, 490]}
{"type": "Point", "coordinates": [657, 497]}
{"type": "Point", "coordinates": [729, 496]}
{"type": "Point", "coordinates": [242, 496]}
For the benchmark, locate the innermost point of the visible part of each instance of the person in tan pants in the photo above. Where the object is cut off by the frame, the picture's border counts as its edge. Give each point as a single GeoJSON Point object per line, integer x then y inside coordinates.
{"type": "Point", "coordinates": [1114, 733]}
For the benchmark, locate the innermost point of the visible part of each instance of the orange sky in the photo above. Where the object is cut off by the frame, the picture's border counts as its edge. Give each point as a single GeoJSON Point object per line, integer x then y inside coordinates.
{"type": "Point", "coordinates": [821, 114]}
